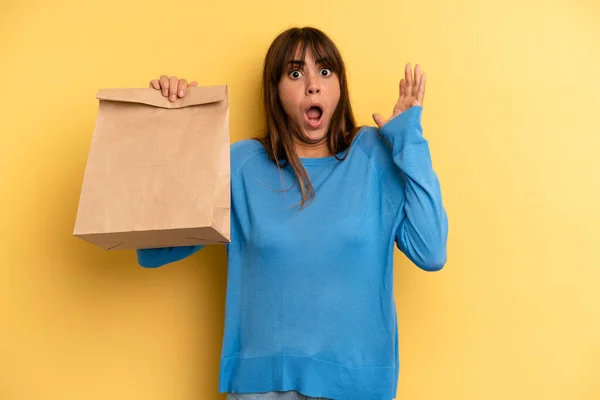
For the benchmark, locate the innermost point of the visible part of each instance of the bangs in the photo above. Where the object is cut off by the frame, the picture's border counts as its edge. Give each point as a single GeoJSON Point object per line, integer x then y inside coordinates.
{"type": "Point", "coordinates": [298, 42]}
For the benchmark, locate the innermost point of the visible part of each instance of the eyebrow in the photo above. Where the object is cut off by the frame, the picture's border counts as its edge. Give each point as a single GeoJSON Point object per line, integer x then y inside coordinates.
{"type": "Point", "coordinates": [320, 61]}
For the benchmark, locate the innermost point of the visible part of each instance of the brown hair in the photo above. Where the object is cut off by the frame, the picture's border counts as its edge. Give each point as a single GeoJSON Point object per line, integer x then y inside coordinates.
{"type": "Point", "coordinates": [278, 138]}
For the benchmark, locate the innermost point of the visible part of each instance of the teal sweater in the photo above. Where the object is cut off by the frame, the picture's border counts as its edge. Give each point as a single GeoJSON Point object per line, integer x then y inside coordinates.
{"type": "Point", "coordinates": [310, 298]}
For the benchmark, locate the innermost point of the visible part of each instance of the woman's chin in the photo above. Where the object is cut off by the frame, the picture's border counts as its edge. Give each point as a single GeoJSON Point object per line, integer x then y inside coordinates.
{"type": "Point", "coordinates": [315, 133]}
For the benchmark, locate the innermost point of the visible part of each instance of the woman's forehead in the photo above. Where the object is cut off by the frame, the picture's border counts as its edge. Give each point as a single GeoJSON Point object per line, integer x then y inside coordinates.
{"type": "Point", "coordinates": [308, 57]}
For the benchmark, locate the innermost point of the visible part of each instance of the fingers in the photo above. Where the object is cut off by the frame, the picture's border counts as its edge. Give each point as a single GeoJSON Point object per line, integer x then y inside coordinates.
{"type": "Point", "coordinates": [172, 87]}
{"type": "Point", "coordinates": [173, 81]}
{"type": "Point", "coordinates": [413, 86]}
{"type": "Point", "coordinates": [379, 120]}
{"type": "Point", "coordinates": [417, 79]}
{"type": "Point", "coordinates": [402, 88]}
{"type": "Point", "coordinates": [421, 91]}
{"type": "Point", "coordinates": [164, 85]}
{"type": "Point", "coordinates": [155, 84]}
{"type": "Point", "coordinates": [409, 79]}
{"type": "Point", "coordinates": [182, 87]}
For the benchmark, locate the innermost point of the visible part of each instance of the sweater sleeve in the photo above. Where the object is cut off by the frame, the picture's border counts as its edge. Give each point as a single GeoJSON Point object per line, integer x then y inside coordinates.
{"type": "Point", "coordinates": [422, 222]}
{"type": "Point", "coordinates": [153, 258]}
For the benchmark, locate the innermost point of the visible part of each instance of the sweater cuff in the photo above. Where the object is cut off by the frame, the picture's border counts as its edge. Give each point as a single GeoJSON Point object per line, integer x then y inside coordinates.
{"type": "Point", "coordinates": [405, 129]}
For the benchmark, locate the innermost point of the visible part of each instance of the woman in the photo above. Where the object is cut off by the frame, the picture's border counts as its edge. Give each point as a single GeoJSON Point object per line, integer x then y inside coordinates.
{"type": "Point", "coordinates": [318, 205]}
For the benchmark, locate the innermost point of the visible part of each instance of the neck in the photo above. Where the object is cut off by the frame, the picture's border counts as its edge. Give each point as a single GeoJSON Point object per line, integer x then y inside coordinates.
{"type": "Point", "coordinates": [312, 151]}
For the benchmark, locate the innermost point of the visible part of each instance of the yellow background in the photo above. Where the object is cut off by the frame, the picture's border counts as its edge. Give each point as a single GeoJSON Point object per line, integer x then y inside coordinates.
{"type": "Point", "coordinates": [512, 115]}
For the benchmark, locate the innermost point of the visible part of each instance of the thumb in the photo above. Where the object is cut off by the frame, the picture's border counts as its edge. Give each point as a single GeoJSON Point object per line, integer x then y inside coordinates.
{"type": "Point", "coordinates": [193, 84]}
{"type": "Point", "coordinates": [379, 120]}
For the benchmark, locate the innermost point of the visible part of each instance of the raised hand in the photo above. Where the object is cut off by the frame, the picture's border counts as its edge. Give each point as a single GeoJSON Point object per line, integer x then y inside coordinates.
{"type": "Point", "coordinates": [412, 92]}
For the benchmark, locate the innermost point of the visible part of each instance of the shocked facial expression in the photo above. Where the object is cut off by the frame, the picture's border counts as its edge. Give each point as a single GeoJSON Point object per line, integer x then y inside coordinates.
{"type": "Point", "coordinates": [309, 93]}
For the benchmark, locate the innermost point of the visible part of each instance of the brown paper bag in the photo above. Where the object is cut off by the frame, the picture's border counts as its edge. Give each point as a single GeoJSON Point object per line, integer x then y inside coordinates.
{"type": "Point", "coordinates": [157, 173]}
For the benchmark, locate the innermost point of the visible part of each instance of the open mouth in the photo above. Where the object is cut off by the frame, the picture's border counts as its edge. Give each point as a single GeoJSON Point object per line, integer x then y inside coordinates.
{"type": "Point", "coordinates": [314, 115]}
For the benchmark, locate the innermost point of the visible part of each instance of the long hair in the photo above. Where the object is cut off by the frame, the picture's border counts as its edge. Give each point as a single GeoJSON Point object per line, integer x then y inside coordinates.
{"type": "Point", "coordinates": [278, 139]}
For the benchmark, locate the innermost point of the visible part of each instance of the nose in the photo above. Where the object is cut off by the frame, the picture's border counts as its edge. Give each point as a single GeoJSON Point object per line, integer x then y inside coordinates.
{"type": "Point", "coordinates": [312, 86]}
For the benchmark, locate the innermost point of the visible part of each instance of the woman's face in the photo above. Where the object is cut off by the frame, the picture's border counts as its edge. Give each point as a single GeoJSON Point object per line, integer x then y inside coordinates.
{"type": "Point", "coordinates": [309, 94]}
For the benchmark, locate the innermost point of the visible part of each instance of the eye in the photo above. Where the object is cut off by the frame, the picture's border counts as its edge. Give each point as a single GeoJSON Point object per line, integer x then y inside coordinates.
{"type": "Point", "coordinates": [295, 74]}
{"type": "Point", "coordinates": [325, 72]}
